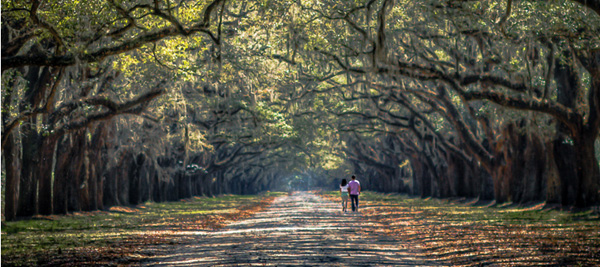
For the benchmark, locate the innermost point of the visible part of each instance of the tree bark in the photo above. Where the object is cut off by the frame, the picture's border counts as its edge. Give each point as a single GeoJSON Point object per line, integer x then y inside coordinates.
{"type": "Point", "coordinates": [45, 174]}
{"type": "Point", "coordinates": [574, 146]}
{"type": "Point", "coordinates": [12, 163]}
{"type": "Point", "coordinates": [29, 184]}
{"type": "Point", "coordinates": [588, 172]}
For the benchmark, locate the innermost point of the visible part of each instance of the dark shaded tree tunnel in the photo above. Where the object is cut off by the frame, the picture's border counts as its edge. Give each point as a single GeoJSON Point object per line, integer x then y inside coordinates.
{"type": "Point", "coordinates": [124, 102]}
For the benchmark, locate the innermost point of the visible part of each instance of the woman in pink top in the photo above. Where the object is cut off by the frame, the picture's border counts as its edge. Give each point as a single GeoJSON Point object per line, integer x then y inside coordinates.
{"type": "Point", "coordinates": [344, 192]}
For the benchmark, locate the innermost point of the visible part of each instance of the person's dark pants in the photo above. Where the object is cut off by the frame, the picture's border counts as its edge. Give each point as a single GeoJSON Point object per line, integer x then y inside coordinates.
{"type": "Point", "coordinates": [354, 200]}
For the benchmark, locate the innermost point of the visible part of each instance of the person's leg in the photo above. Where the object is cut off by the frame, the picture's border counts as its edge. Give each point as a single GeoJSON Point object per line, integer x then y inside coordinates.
{"type": "Point", "coordinates": [356, 202]}
{"type": "Point", "coordinates": [345, 203]}
{"type": "Point", "coordinates": [352, 199]}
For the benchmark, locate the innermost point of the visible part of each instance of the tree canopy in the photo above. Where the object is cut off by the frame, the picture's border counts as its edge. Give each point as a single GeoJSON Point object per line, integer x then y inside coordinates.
{"type": "Point", "coordinates": [118, 102]}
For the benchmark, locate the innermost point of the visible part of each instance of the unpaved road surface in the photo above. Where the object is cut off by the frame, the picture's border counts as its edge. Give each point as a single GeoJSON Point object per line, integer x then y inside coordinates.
{"type": "Point", "coordinates": [298, 230]}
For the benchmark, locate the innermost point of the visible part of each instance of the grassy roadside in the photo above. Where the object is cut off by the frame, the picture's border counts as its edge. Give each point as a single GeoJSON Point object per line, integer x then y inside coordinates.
{"type": "Point", "coordinates": [115, 237]}
{"type": "Point", "coordinates": [459, 234]}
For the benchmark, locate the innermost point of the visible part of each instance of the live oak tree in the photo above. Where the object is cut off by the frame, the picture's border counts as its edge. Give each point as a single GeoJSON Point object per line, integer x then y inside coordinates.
{"type": "Point", "coordinates": [120, 102]}
{"type": "Point", "coordinates": [57, 78]}
{"type": "Point", "coordinates": [450, 55]}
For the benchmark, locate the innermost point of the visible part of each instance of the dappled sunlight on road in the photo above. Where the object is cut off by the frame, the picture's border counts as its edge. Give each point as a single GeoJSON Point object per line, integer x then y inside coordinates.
{"type": "Point", "coordinates": [305, 229]}
{"type": "Point", "coordinates": [297, 230]}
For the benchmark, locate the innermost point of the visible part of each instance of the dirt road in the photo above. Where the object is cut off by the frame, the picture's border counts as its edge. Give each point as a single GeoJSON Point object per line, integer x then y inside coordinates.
{"type": "Point", "coordinates": [298, 230]}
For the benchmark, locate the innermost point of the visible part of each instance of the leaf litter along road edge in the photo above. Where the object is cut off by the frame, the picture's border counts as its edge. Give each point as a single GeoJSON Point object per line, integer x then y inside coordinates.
{"type": "Point", "coordinates": [457, 234]}
{"type": "Point", "coordinates": [114, 237]}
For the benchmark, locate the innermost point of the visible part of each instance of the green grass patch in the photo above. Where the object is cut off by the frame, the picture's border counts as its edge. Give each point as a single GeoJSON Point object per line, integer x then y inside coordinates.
{"type": "Point", "coordinates": [101, 235]}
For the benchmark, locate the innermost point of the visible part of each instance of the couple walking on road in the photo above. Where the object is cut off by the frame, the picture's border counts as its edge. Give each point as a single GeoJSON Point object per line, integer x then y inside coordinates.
{"type": "Point", "coordinates": [353, 189]}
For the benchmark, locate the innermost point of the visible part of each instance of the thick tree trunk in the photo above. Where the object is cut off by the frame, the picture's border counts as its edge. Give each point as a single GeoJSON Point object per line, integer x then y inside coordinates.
{"type": "Point", "coordinates": [574, 146]}
{"type": "Point", "coordinates": [553, 184]}
{"type": "Point", "coordinates": [76, 173]}
{"type": "Point", "coordinates": [500, 187]}
{"type": "Point", "coordinates": [97, 164]}
{"type": "Point", "coordinates": [417, 176]}
{"type": "Point", "coordinates": [146, 186]}
{"type": "Point", "coordinates": [84, 154]}
{"type": "Point", "coordinates": [469, 182]}
{"type": "Point", "coordinates": [430, 174]}
{"type": "Point", "coordinates": [515, 174]}
{"type": "Point", "coordinates": [207, 184]}
{"type": "Point", "coordinates": [487, 184]}
{"type": "Point", "coordinates": [45, 173]}
{"type": "Point", "coordinates": [534, 187]}
{"type": "Point", "coordinates": [59, 199]}
{"type": "Point", "coordinates": [124, 178]}
{"type": "Point", "coordinates": [110, 194]}
{"type": "Point", "coordinates": [93, 181]}
{"type": "Point", "coordinates": [29, 184]}
{"type": "Point", "coordinates": [134, 178]}
{"type": "Point", "coordinates": [578, 169]}
{"type": "Point", "coordinates": [587, 163]}
{"type": "Point", "coordinates": [11, 153]}
{"type": "Point", "coordinates": [422, 177]}
{"type": "Point", "coordinates": [525, 165]}
{"type": "Point", "coordinates": [588, 172]}
{"type": "Point", "coordinates": [454, 176]}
